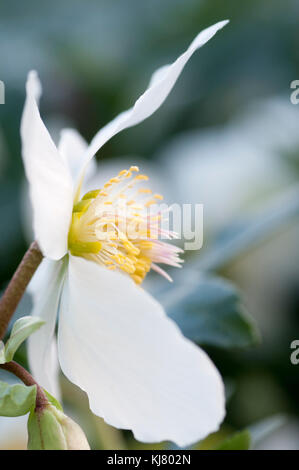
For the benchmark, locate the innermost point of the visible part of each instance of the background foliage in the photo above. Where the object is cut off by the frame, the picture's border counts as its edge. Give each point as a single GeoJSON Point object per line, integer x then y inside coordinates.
{"type": "Point", "coordinates": [227, 136]}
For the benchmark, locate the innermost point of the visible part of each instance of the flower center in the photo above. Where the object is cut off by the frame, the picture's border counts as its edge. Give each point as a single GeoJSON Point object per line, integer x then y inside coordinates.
{"type": "Point", "coordinates": [119, 227]}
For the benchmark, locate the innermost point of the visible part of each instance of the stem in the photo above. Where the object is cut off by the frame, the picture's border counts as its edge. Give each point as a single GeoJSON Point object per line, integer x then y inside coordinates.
{"type": "Point", "coordinates": [18, 284]}
{"type": "Point", "coordinates": [19, 371]}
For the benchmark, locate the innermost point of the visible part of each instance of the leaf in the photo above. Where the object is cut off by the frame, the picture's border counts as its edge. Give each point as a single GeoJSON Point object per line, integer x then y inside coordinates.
{"type": "Point", "coordinates": [22, 328]}
{"type": "Point", "coordinates": [264, 428]}
{"type": "Point", "coordinates": [53, 401]}
{"type": "Point", "coordinates": [245, 235]}
{"type": "Point", "coordinates": [239, 441]}
{"type": "Point", "coordinates": [16, 400]}
{"type": "Point", "coordinates": [209, 311]}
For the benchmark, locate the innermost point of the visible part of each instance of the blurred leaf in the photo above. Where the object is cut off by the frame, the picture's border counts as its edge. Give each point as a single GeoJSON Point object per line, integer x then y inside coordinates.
{"type": "Point", "coordinates": [212, 441]}
{"type": "Point", "coordinates": [12, 242]}
{"type": "Point", "coordinates": [239, 441]}
{"type": "Point", "coordinates": [264, 428]}
{"type": "Point", "coordinates": [22, 328]}
{"type": "Point", "coordinates": [209, 311]}
{"type": "Point", "coordinates": [230, 388]}
{"type": "Point", "coordinates": [2, 353]}
{"type": "Point", "coordinates": [109, 438]}
{"type": "Point", "coordinates": [16, 400]}
{"type": "Point", "coordinates": [277, 214]}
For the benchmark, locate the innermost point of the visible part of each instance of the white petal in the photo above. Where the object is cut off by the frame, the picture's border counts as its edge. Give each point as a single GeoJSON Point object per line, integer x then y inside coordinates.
{"type": "Point", "coordinates": [46, 287]}
{"type": "Point", "coordinates": [116, 343]}
{"type": "Point", "coordinates": [51, 187]}
{"type": "Point", "coordinates": [159, 88]}
{"type": "Point", "coordinates": [72, 147]}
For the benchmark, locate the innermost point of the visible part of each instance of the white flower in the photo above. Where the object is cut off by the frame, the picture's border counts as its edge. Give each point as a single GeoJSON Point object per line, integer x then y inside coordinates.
{"type": "Point", "coordinates": [114, 340]}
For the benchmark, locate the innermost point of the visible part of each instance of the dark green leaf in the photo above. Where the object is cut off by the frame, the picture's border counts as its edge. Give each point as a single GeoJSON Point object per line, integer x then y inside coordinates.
{"type": "Point", "coordinates": [239, 441]}
{"type": "Point", "coordinates": [209, 311]}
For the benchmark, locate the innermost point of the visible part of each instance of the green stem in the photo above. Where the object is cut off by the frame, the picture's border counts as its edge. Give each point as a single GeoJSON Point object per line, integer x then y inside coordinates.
{"type": "Point", "coordinates": [18, 285]}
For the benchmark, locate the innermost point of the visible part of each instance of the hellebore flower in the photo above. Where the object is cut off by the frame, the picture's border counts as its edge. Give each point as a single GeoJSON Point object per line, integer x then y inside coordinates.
{"type": "Point", "coordinates": [114, 340]}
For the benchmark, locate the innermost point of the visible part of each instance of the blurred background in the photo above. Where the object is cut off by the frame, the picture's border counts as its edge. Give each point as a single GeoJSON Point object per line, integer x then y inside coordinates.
{"type": "Point", "coordinates": [226, 137]}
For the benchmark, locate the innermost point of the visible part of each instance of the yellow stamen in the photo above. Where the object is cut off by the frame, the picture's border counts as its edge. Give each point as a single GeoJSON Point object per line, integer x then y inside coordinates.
{"type": "Point", "coordinates": [131, 248]}
{"type": "Point", "coordinates": [114, 180]}
{"type": "Point", "coordinates": [141, 178]}
{"type": "Point", "coordinates": [97, 232]}
{"type": "Point", "coordinates": [145, 245]}
{"type": "Point", "coordinates": [145, 191]}
{"type": "Point", "coordinates": [137, 279]}
{"type": "Point", "coordinates": [150, 203]}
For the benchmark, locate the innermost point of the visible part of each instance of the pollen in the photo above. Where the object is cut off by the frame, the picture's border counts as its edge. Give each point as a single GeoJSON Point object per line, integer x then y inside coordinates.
{"type": "Point", "coordinates": [145, 191]}
{"type": "Point", "coordinates": [116, 227]}
{"type": "Point", "coordinates": [141, 178]}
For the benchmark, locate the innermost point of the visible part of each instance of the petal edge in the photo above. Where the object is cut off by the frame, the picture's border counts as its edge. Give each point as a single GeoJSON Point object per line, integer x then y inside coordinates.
{"type": "Point", "coordinates": [140, 373]}
{"type": "Point", "coordinates": [51, 188]}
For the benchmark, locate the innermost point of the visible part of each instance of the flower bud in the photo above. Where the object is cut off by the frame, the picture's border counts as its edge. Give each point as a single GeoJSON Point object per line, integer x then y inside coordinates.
{"type": "Point", "coordinates": [50, 429]}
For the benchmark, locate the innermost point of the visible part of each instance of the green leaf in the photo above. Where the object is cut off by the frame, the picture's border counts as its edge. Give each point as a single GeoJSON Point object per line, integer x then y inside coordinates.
{"type": "Point", "coordinates": [22, 328]}
{"type": "Point", "coordinates": [53, 401]}
{"type": "Point", "coordinates": [239, 441]}
{"type": "Point", "coordinates": [209, 311]}
{"type": "Point", "coordinates": [16, 400]}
